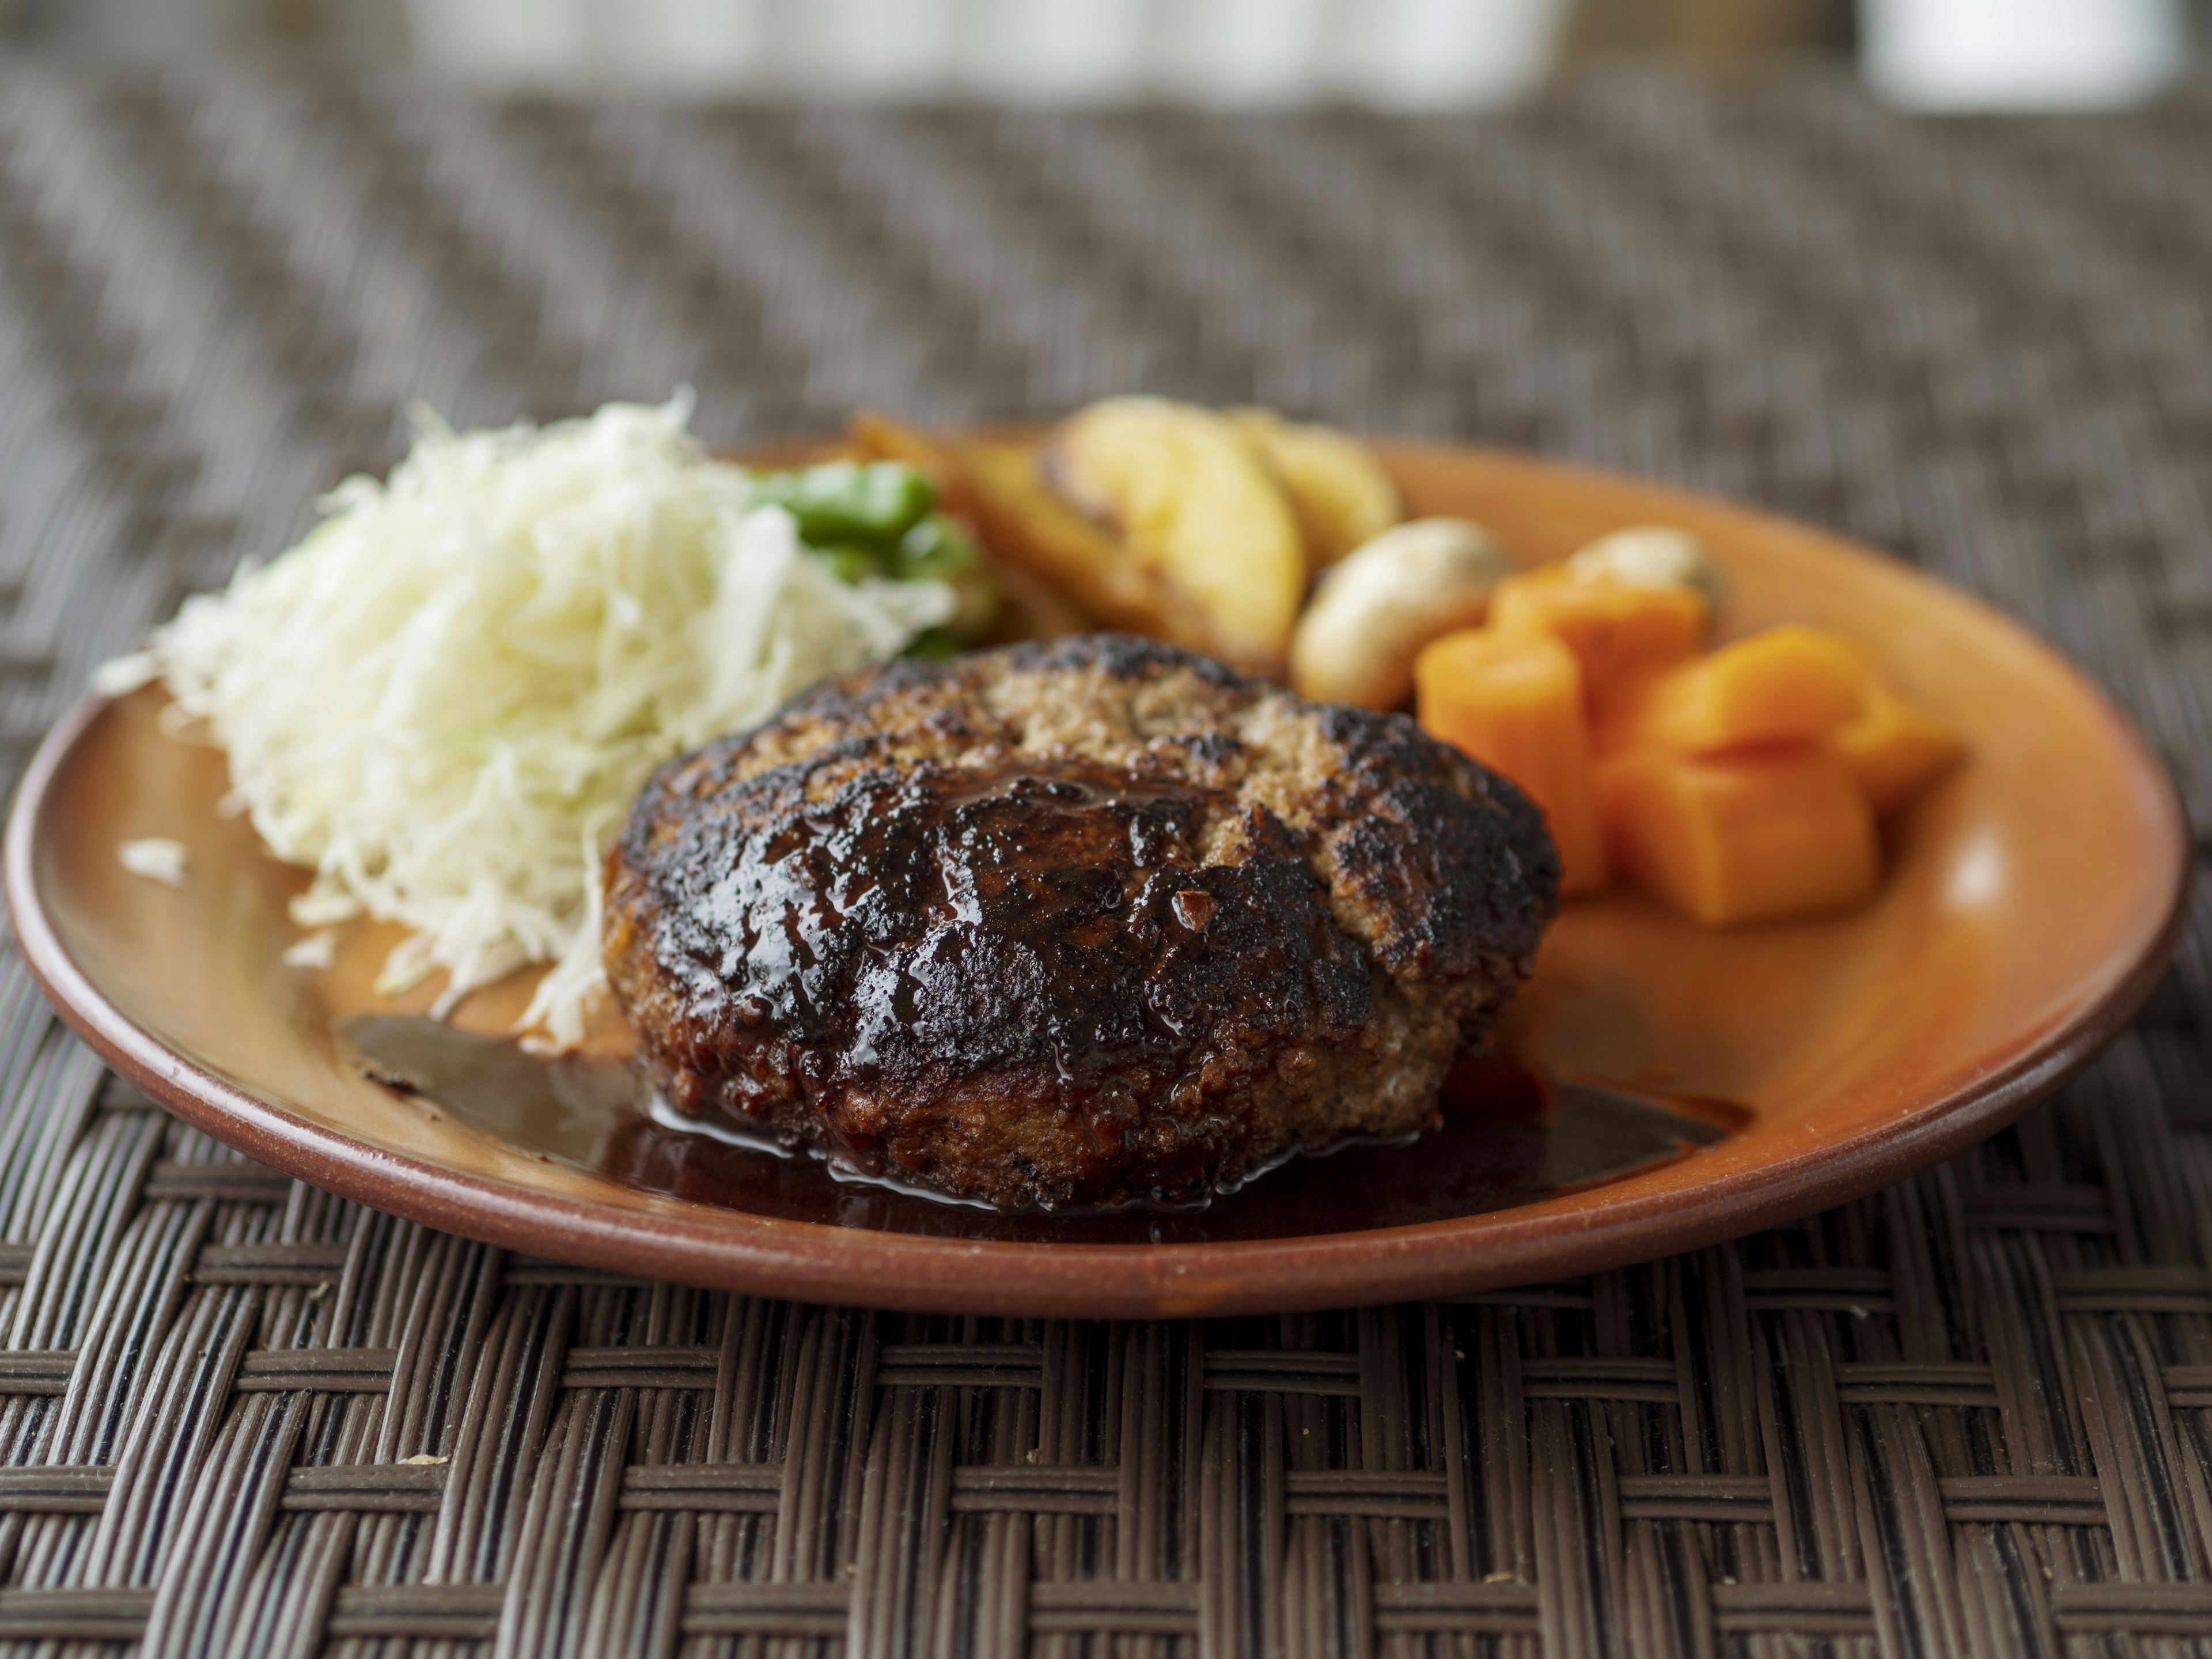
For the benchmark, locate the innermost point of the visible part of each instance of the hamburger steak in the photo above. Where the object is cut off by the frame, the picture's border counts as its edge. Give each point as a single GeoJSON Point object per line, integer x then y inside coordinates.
{"type": "Point", "coordinates": [1080, 922]}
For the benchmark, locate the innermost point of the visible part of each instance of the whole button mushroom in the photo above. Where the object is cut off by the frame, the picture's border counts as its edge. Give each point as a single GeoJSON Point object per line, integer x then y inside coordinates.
{"type": "Point", "coordinates": [1656, 555]}
{"type": "Point", "coordinates": [1376, 609]}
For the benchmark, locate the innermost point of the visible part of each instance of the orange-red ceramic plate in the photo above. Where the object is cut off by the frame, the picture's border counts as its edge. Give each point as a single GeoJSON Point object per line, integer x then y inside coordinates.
{"type": "Point", "coordinates": [1726, 1080]}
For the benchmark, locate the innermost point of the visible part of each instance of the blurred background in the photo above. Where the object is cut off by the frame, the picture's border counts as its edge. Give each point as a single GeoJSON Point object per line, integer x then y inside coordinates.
{"type": "Point", "coordinates": [1943, 55]}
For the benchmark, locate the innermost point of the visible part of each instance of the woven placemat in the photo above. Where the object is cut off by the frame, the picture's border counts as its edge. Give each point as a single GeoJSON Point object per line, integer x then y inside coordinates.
{"type": "Point", "coordinates": [1972, 1415]}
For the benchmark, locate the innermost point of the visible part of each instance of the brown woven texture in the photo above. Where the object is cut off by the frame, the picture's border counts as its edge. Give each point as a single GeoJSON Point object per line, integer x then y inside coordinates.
{"type": "Point", "coordinates": [1972, 1415]}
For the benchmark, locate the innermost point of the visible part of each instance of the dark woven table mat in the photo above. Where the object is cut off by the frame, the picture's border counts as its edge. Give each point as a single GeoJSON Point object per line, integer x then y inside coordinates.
{"type": "Point", "coordinates": [1972, 1415]}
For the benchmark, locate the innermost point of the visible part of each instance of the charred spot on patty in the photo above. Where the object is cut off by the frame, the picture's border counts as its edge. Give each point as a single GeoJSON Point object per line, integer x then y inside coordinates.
{"type": "Point", "coordinates": [1074, 923]}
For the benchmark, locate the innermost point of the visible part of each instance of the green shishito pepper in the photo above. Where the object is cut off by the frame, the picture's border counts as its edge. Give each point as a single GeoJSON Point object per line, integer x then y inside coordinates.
{"type": "Point", "coordinates": [853, 562]}
{"type": "Point", "coordinates": [877, 519]}
{"type": "Point", "coordinates": [936, 551]}
{"type": "Point", "coordinates": [846, 501]}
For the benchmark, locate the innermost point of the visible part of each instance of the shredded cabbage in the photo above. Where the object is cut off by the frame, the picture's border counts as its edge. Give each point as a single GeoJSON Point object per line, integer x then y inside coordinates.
{"type": "Point", "coordinates": [444, 698]}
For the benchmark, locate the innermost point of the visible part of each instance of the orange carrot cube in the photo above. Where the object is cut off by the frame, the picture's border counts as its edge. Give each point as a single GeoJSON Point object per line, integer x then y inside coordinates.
{"type": "Point", "coordinates": [1514, 701]}
{"type": "Point", "coordinates": [1788, 684]}
{"type": "Point", "coordinates": [1618, 631]}
{"type": "Point", "coordinates": [1894, 750]}
{"type": "Point", "coordinates": [1759, 837]}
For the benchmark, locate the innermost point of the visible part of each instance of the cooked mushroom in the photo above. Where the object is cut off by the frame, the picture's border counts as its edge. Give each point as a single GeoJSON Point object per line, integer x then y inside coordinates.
{"type": "Point", "coordinates": [1656, 555]}
{"type": "Point", "coordinates": [1382, 603]}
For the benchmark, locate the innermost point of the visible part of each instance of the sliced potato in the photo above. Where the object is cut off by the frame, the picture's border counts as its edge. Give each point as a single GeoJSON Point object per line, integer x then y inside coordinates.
{"type": "Point", "coordinates": [1197, 510]}
{"type": "Point", "coordinates": [1025, 523]}
{"type": "Point", "coordinates": [1340, 492]}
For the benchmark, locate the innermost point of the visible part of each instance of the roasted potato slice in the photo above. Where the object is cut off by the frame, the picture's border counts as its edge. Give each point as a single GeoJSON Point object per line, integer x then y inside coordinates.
{"type": "Point", "coordinates": [1197, 512]}
{"type": "Point", "coordinates": [1340, 492]}
{"type": "Point", "coordinates": [1031, 527]}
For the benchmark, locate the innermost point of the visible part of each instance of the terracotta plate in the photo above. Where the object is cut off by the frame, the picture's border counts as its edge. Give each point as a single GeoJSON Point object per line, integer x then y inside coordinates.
{"type": "Point", "coordinates": [2033, 898]}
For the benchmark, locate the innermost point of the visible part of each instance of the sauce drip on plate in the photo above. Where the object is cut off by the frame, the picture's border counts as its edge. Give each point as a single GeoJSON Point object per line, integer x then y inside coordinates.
{"type": "Point", "coordinates": [1509, 1136]}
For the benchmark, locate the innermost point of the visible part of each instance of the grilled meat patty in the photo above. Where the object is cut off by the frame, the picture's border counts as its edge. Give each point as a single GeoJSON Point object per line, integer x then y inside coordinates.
{"type": "Point", "coordinates": [1079, 922]}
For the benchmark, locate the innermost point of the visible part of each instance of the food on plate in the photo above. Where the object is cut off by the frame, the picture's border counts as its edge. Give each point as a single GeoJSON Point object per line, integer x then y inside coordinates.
{"type": "Point", "coordinates": [1540, 673]}
{"type": "Point", "coordinates": [1787, 684]}
{"type": "Point", "coordinates": [318, 950]}
{"type": "Point", "coordinates": [1739, 785]}
{"type": "Point", "coordinates": [1375, 610]}
{"type": "Point", "coordinates": [1187, 498]}
{"type": "Point", "coordinates": [1033, 598]}
{"type": "Point", "coordinates": [1340, 494]}
{"type": "Point", "coordinates": [842, 502]}
{"type": "Point", "coordinates": [878, 521]}
{"type": "Point", "coordinates": [1514, 701]}
{"type": "Point", "coordinates": [1162, 518]}
{"type": "Point", "coordinates": [1030, 532]}
{"type": "Point", "coordinates": [1077, 922]}
{"type": "Point", "coordinates": [157, 857]}
{"type": "Point", "coordinates": [1039, 531]}
{"type": "Point", "coordinates": [1656, 555]}
{"type": "Point", "coordinates": [1729, 839]}
{"type": "Point", "coordinates": [876, 436]}
{"type": "Point", "coordinates": [1082, 922]}
{"type": "Point", "coordinates": [1894, 750]}
{"type": "Point", "coordinates": [442, 699]}
{"type": "Point", "coordinates": [1619, 631]}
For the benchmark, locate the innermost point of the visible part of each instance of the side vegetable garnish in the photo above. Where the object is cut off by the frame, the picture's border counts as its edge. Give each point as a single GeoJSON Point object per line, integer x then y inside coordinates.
{"type": "Point", "coordinates": [1739, 785]}
{"type": "Point", "coordinates": [1376, 607]}
{"type": "Point", "coordinates": [1191, 525]}
{"type": "Point", "coordinates": [1515, 702]}
{"type": "Point", "coordinates": [1619, 631]}
{"type": "Point", "coordinates": [1781, 686]}
{"type": "Point", "coordinates": [1755, 835]}
{"type": "Point", "coordinates": [1656, 555]}
{"type": "Point", "coordinates": [442, 699]}
{"type": "Point", "coordinates": [1342, 497]}
{"type": "Point", "coordinates": [1893, 749]}
{"type": "Point", "coordinates": [156, 857]}
{"type": "Point", "coordinates": [1189, 501]}
{"type": "Point", "coordinates": [878, 521]}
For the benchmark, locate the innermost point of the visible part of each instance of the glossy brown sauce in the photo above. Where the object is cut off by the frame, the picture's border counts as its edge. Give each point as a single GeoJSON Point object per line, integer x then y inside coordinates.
{"type": "Point", "coordinates": [1509, 1136]}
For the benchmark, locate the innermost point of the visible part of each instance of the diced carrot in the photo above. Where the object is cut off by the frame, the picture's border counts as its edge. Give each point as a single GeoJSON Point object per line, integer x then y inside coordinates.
{"type": "Point", "coordinates": [1756, 837]}
{"type": "Point", "coordinates": [1788, 684]}
{"type": "Point", "coordinates": [1514, 701]}
{"type": "Point", "coordinates": [1894, 750]}
{"type": "Point", "coordinates": [1618, 631]}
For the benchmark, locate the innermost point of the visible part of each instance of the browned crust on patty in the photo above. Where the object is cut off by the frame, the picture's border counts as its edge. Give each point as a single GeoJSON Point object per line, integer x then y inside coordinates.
{"type": "Point", "coordinates": [1078, 923]}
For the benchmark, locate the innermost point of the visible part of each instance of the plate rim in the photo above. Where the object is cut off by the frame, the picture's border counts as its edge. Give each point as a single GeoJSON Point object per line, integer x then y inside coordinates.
{"type": "Point", "coordinates": [823, 1263]}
